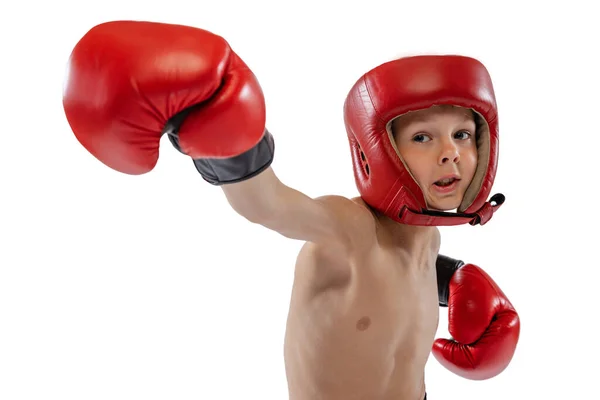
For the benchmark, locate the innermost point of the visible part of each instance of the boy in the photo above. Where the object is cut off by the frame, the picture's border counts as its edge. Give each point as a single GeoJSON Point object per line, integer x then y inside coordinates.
{"type": "Point", "coordinates": [423, 136]}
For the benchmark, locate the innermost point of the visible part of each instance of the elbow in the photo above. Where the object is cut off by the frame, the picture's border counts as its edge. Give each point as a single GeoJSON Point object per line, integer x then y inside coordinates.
{"type": "Point", "coordinates": [255, 213]}
{"type": "Point", "coordinates": [268, 217]}
{"type": "Point", "coordinates": [255, 217]}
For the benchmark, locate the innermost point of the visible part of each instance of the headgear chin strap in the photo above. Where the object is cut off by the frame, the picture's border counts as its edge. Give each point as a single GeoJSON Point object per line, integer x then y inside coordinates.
{"type": "Point", "coordinates": [442, 218]}
{"type": "Point", "coordinates": [411, 84]}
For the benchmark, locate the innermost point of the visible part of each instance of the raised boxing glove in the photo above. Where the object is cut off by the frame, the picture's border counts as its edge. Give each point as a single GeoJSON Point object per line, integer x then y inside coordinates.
{"type": "Point", "coordinates": [130, 82]}
{"type": "Point", "coordinates": [483, 323]}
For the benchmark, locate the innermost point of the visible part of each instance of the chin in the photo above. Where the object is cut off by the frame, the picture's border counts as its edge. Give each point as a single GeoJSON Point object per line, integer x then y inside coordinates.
{"type": "Point", "coordinates": [445, 206]}
{"type": "Point", "coordinates": [446, 203]}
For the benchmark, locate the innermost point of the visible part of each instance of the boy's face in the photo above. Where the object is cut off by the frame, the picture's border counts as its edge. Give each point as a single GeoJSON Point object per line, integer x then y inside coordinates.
{"type": "Point", "coordinates": [437, 143]}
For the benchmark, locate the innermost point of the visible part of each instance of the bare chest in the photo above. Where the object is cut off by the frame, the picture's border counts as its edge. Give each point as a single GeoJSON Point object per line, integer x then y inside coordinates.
{"type": "Point", "coordinates": [372, 335]}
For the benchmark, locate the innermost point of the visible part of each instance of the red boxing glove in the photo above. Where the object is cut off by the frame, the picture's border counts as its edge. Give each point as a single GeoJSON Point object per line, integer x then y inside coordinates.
{"type": "Point", "coordinates": [131, 82]}
{"type": "Point", "coordinates": [483, 323]}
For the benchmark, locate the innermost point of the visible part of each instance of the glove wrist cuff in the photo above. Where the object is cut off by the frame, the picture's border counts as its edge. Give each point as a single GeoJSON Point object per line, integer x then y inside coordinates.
{"type": "Point", "coordinates": [445, 267]}
{"type": "Point", "coordinates": [221, 171]}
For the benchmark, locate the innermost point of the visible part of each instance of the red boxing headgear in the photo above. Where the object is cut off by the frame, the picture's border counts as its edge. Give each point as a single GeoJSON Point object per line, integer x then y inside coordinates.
{"type": "Point", "coordinates": [410, 84]}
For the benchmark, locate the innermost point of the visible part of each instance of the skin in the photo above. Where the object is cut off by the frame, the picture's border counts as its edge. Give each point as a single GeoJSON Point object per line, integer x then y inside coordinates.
{"type": "Point", "coordinates": [438, 142]}
{"type": "Point", "coordinates": [364, 306]}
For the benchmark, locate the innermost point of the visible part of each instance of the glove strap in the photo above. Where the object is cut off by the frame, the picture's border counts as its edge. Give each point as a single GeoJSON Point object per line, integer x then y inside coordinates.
{"type": "Point", "coordinates": [445, 268]}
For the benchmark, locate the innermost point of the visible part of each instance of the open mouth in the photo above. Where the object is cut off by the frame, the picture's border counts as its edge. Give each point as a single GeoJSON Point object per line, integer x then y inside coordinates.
{"type": "Point", "coordinates": [446, 182]}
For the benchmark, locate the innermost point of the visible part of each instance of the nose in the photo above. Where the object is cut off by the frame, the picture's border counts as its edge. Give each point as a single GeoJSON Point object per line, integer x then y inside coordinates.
{"type": "Point", "coordinates": [449, 153]}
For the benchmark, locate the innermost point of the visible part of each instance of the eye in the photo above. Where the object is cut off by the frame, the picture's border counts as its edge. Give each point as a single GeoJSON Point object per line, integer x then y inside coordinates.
{"type": "Point", "coordinates": [420, 138]}
{"type": "Point", "coordinates": [462, 135]}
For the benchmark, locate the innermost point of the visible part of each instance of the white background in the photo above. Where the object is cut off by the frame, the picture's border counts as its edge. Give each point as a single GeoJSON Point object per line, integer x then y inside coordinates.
{"type": "Point", "coordinates": [151, 287]}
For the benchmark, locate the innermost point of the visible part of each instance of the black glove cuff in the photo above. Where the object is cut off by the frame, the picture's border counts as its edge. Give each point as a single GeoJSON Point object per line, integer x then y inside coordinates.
{"type": "Point", "coordinates": [445, 268]}
{"type": "Point", "coordinates": [221, 171]}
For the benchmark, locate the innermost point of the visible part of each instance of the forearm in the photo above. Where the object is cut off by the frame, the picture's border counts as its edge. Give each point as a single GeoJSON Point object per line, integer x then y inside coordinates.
{"type": "Point", "coordinates": [247, 180]}
{"type": "Point", "coordinates": [257, 199]}
{"type": "Point", "coordinates": [266, 201]}
{"type": "Point", "coordinates": [445, 268]}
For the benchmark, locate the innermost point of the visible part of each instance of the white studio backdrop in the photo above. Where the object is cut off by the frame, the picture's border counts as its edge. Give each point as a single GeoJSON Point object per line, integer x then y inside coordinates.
{"type": "Point", "coordinates": [151, 287]}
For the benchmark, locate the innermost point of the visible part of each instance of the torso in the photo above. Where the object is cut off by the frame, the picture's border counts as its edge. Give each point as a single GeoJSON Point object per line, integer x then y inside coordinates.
{"type": "Point", "coordinates": [361, 325]}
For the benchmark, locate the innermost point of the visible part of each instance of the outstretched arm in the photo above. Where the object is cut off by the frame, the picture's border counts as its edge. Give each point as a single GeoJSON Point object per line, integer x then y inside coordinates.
{"type": "Point", "coordinates": [265, 200]}
{"type": "Point", "coordinates": [256, 193]}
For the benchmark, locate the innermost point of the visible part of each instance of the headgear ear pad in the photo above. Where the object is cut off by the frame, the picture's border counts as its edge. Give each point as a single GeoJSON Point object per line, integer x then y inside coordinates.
{"type": "Point", "coordinates": [411, 84]}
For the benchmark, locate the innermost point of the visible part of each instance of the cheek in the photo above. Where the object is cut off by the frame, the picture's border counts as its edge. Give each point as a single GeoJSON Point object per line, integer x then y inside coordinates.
{"type": "Point", "coordinates": [469, 161]}
{"type": "Point", "coordinates": [417, 164]}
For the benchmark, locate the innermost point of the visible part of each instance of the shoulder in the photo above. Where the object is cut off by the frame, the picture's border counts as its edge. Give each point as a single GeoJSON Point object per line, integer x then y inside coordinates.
{"type": "Point", "coordinates": [351, 209]}
{"type": "Point", "coordinates": [327, 265]}
{"type": "Point", "coordinates": [356, 220]}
